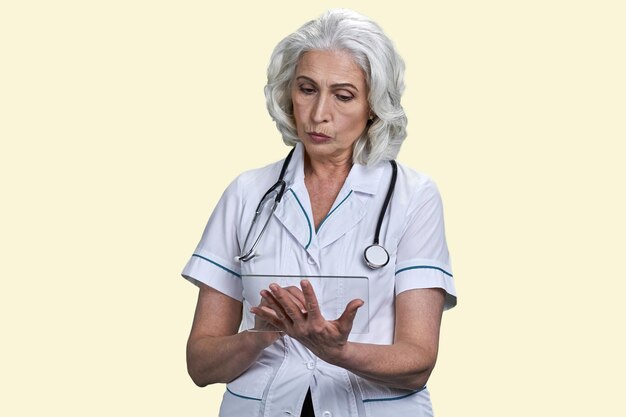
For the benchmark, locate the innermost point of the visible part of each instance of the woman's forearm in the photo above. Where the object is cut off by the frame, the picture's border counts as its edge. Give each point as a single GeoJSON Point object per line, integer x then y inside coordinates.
{"type": "Point", "coordinates": [399, 365]}
{"type": "Point", "coordinates": [409, 361]}
{"type": "Point", "coordinates": [220, 359]}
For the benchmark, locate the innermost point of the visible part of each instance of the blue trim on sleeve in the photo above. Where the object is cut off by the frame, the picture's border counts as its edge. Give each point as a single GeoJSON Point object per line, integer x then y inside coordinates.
{"type": "Point", "coordinates": [307, 220]}
{"type": "Point", "coordinates": [424, 267]}
{"type": "Point", "coordinates": [218, 265]}
{"type": "Point", "coordinates": [394, 398]}
{"type": "Point", "coordinates": [243, 396]}
{"type": "Point", "coordinates": [331, 212]}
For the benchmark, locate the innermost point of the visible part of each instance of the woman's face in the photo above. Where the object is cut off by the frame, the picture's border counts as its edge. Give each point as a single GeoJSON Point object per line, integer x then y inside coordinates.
{"type": "Point", "coordinates": [330, 105]}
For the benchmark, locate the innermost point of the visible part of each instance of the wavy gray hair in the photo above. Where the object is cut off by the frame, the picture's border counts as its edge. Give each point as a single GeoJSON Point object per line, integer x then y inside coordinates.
{"type": "Point", "coordinates": [373, 51]}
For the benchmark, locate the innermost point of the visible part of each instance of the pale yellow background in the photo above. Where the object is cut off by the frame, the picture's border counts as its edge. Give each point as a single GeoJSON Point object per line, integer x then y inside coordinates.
{"type": "Point", "coordinates": [121, 122]}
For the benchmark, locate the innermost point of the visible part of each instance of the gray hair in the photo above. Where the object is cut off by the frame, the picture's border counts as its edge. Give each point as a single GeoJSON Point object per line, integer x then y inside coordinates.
{"type": "Point", "coordinates": [373, 51]}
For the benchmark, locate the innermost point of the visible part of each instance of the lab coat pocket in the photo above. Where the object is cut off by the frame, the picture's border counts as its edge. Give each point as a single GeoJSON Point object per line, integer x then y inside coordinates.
{"type": "Point", "coordinates": [244, 394]}
{"type": "Point", "coordinates": [380, 400]}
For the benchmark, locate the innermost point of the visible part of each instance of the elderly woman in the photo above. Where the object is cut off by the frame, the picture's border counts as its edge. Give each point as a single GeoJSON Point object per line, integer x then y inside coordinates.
{"type": "Point", "coordinates": [341, 208]}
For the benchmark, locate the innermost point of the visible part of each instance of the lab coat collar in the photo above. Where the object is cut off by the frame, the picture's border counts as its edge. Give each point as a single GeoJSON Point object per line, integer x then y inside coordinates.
{"type": "Point", "coordinates": [295, 170]}
{"type": "Point", "coordinates": [295, 211]}
{"type": "Point", "coordinates": [365, 179]}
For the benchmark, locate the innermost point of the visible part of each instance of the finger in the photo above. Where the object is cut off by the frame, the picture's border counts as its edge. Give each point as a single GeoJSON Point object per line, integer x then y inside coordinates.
{"type": "Point", "coordinates": [269, 301]}
{"type": "Point", "coordinates": [268, 315]}
{"type": "Point", "coordinates": [297, 296]}
{"type": "Point", "coordinates": [347, 317]}
{"type": "Point", "coordinates": [264, 313]}
{"type": "Point", "coordinates": [310, 301]}
{"type": "Point", "coordinates": [284, 299]}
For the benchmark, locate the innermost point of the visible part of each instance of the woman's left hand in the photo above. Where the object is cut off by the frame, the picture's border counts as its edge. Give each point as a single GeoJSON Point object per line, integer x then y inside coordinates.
{"type": "Point", "coordinates": [325, 338]}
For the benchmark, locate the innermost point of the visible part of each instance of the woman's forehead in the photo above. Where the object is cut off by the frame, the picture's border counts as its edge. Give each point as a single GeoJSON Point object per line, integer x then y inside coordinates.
{"type": "Point", "coordinates": [331, 67]}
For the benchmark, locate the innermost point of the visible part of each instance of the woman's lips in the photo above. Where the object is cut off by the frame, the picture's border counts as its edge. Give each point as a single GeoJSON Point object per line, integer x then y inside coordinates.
{"type": "Point", "coordinates": [318, 137]}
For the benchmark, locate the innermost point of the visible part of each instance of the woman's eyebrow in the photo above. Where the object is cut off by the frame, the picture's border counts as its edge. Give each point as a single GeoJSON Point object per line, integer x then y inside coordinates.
{"type": "Point", "coordinates": [344, 85]}
{"type": "Point", "coordinates": [337, 85]}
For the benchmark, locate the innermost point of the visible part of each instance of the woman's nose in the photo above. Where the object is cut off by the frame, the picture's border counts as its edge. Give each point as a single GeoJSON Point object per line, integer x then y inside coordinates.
{"type": "Point", "coordinates": [322, 109]}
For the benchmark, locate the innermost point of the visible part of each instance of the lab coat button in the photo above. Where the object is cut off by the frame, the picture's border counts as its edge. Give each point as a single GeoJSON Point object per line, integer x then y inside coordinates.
{"type": "Point", "coordinates": [327, 414]}
{"type": "Point", "coordinates": [310, 366]}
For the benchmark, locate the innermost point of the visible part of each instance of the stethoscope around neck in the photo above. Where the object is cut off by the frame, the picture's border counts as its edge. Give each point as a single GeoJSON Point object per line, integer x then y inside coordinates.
{"type": "Point", "coordinates": [375, 255]}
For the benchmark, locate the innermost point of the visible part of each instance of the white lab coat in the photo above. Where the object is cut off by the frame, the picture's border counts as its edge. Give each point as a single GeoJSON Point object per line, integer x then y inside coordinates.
{"type": "Point", "coordinates": [412, 232]}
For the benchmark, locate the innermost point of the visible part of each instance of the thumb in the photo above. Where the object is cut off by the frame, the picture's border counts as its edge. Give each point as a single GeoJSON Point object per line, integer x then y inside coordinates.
{"type": "Point", "coordinates": [347, 317]}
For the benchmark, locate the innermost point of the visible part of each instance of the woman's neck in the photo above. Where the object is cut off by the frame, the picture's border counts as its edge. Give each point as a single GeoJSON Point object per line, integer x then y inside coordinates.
{"type": "Point", "coordinates": [324, 179]}
{"type": "Point", "coordinates": [327, 169]}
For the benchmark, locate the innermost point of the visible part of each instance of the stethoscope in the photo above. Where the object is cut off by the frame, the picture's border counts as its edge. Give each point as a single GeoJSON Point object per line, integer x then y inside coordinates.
{"type": "Point", "coordinates": [375, 255]}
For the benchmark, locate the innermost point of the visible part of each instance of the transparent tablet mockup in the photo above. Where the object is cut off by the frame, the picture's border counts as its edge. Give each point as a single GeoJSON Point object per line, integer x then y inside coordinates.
{"type": "Point", "coordinates": [333, 295]}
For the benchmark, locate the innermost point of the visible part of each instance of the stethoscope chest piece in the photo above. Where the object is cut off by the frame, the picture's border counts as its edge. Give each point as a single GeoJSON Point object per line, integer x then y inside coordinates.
{"type": "Point", "coordinates": [376, 256]}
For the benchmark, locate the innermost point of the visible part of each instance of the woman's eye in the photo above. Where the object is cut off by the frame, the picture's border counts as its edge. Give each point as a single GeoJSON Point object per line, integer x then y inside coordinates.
{"type": "Point", "coordinates": [307, 90]}
{"type": "Point", "coordinates": [343, 97]}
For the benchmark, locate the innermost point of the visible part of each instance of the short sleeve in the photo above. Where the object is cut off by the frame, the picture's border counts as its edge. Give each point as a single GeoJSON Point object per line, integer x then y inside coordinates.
{"type": "Point", "coordinates": [213, 262]}
{"type": "Point", "coordinates": [422, 259]}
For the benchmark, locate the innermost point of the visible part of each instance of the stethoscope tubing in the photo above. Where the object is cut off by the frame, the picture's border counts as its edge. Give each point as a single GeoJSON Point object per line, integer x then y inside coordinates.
{"type": "Point", "coordinates": [281, 185]}
{"type": "Point", "coordinates": [375, 250]}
